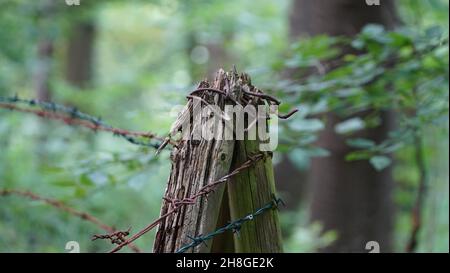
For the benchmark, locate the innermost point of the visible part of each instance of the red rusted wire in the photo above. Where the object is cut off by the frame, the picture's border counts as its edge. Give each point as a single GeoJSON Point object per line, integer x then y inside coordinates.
{"type": "Point", "coordinates": [61, 206]}
{"type": "Point", "coordinates": [73, 121]}
{"type": "Point", "coordinates": [116, 237]}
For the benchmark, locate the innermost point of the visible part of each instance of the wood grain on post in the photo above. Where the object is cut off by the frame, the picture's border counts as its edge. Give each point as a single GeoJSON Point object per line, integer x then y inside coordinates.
{"type": "Point", "coordinates": [195, 163]}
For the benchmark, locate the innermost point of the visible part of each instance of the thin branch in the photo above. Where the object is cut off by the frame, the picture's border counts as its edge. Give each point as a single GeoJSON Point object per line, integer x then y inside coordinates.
{"type": "Point", "coordinates": [263, 96]}
{"type": "Point", "coordinates": [419, 156]}
{"type": "Point", "coordinates": [416, 214]}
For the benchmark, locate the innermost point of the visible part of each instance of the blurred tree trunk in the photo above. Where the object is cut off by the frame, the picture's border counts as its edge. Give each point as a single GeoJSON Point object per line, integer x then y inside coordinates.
{"type": "Point", "coordinates": [45, 15]}
{"type": "Point", "coordinates": [291, 183]}
{"type": "Point", "coordinates": [217, 56]}
{"type": "Point", "coordinates": [42, 73]}
{"type": "Point", "coordinates": [349, 197]}
{"type": "Point", "coordinates": [80, 54]}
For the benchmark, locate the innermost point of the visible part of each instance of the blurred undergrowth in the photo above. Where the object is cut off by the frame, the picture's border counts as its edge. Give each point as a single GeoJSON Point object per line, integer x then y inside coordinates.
{"type": "Point", "coordinates": [144, 65]}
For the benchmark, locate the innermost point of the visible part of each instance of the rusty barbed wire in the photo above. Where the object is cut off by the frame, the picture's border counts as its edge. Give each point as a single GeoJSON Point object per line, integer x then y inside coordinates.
{"type": "Point", "coordinates": [72, 116]}
{"type": "Point", "coordinates": [176, 204]}
{"type": "Point", "coordinates": [261, 95]}
{"type": "Point", "coordinates": [61, 206]}
{"type": "Point", "coordinates": [234, 226]}
{"type": "Point", "coordinates": [268, 98]}
{"type": "Point", "coordinates": [116, 237]}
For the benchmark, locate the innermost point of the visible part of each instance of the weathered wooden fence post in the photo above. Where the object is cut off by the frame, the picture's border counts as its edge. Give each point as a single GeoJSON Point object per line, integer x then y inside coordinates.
{"type": "Point", "coordinates": [198, 163]}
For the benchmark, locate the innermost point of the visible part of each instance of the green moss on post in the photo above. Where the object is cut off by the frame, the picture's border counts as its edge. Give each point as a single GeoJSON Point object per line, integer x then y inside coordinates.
{"type": "Point", "coordinates": [249, 191]}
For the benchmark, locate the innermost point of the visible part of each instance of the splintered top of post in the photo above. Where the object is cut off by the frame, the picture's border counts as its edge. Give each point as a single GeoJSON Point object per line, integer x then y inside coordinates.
{"type": "Point", "coordinates": [227, 89]}
{"type": "Point", "coordinates": [234, 87]}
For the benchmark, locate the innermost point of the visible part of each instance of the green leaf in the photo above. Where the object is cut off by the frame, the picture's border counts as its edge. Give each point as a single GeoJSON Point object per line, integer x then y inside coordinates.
{"type": "Point", "coordinates": [112, 179]}
{"type": "Point", "coordinates": [53, 169]}
{"type": "Point", "coordinates": [373, 30]}
{"type": "Point", "coordinates": [317, 152]}
{"type": "Point", "coordinates": [434, 32]}
{"type": "Point", "coordinates": [392, 148]}
{"type": "Point", "coordinates": [380, 162]}
{"type": "Point", "coordinates": [361, 143]}
{"type": "Point", "coordinates": [80, 192]}
{"type": "Point", "coordinates": [306, 125]}
{"type": "Point", "coordinates": [299, 158]}
{"type": "Point", "coordinates": [63, 183]}
{"type": "Point", "coordinates": [86, 180]}
{"type": "Point", "coordinates": [307, 139]}
{"type": "Point", "coordinates": [358, 155]}
{"type": "Point", "coordinates": [349, 126]}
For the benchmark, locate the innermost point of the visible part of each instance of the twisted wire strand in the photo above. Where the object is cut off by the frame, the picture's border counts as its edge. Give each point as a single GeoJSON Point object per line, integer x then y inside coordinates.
{"type": "Point", "coordinates": [234, 226]}
{"type": "Point", "coordinates": [73, 116]}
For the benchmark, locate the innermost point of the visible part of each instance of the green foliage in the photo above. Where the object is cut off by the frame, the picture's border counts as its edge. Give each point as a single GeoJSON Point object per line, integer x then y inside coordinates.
{"type": "Point", "coordinates": [377, 72]}
{"type": "Point", "coordinates": [402, 71]}
{"type": "Point", "coordinates": [142, 70]}
{"type": "Point", "coordinates": [304, 237]}
{"type": "Point", "coordinates": [148, 54]}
